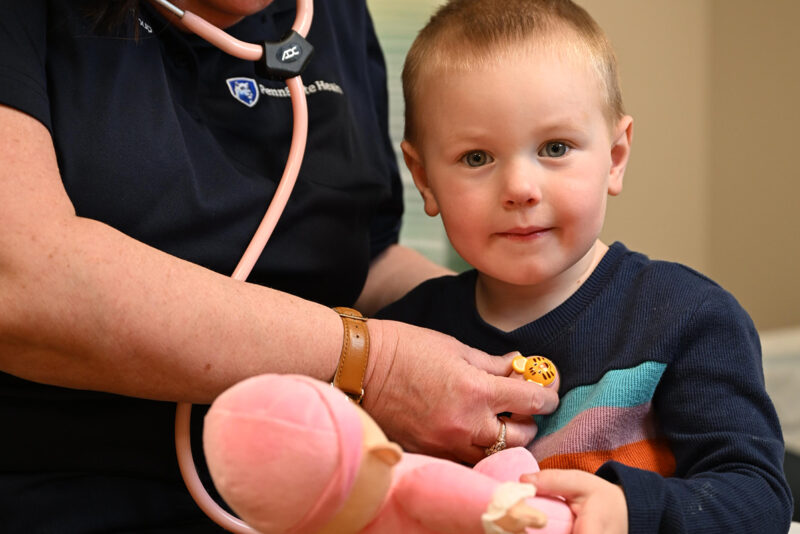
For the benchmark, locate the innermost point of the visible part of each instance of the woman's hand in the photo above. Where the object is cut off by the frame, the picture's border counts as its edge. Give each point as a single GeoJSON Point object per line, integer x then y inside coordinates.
{"type": "Point", "coordinates": [434, 395]}
{"type": "Point", "coordinates": [599, 506]}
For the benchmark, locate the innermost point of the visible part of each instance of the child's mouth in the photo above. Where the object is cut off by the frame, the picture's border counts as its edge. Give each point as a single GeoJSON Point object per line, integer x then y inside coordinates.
{"type": "Point", "coordinates": [527, 233]}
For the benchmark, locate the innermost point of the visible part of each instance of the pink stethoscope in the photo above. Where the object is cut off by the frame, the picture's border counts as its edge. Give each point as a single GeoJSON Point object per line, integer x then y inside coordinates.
{"type": "Point", "coordinates": [285, 59]}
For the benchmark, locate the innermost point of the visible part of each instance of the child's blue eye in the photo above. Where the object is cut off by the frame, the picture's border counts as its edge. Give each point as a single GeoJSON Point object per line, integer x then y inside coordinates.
{"type": "Point", "coordinates": [554, 149]}
{"type": "Point", "coordinates": [476, 158]}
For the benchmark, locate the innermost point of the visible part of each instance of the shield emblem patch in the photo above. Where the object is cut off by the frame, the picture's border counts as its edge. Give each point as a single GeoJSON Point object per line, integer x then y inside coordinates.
{"type": "Point", "coordinates": [244, 90]}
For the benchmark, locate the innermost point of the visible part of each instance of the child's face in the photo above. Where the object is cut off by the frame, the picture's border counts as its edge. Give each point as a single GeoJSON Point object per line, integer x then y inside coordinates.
{"type": "Point", "coordinates": [519, 159]}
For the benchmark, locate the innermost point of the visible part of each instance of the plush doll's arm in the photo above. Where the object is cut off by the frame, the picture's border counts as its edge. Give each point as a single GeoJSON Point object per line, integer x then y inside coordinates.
{"type": "Point", "coordinates": [508, 510]}
{"type": "Point", "coordinates": [440, 496]}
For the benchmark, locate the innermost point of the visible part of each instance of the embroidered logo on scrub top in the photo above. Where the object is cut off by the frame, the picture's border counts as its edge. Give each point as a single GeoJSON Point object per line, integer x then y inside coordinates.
{"type": "Point", "coordinates": [244, 90]}
{"type": "Point", "coordinates": [247, 90]}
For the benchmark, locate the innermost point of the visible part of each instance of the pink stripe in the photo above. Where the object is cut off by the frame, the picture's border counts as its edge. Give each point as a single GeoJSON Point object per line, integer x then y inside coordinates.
{"type": "Point", "coordinates": [599, 429]}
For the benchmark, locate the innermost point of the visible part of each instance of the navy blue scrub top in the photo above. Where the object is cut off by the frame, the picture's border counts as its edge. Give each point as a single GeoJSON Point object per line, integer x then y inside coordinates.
{"type": "Point", "coordinates": [152, 139]}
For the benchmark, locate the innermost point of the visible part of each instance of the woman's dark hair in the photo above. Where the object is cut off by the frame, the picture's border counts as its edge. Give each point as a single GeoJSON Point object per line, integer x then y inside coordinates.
{"type": "Point", "coordinates": [107, 15]}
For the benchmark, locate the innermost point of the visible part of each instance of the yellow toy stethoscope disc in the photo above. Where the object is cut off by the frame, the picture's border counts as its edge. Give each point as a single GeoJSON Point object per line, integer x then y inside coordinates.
{"type": "Point", "coordinates": [537, 369]}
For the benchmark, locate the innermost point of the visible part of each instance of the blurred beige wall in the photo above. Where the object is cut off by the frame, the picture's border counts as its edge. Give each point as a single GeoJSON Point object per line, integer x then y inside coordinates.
{"type": "Point", "coordinates": [713, 86]}
{"type": "Point", "coordinates": [662, 47]}
{"type": "Point", "coordinates": [755, 181]}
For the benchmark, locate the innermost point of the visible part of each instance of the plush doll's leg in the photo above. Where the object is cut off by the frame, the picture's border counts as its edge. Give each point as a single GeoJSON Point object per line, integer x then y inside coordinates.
{"type": "Point", "coordinates": [508, 465]}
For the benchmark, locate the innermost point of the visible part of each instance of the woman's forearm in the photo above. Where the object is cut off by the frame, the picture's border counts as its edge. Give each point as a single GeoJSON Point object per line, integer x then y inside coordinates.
{"type": "Point", "coordinates": [93, 309]}
{"type": "Point", "coordinates": [85, 306]}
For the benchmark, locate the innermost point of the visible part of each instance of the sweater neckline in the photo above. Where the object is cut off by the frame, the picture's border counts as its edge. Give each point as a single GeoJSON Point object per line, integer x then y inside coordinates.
{"type": "Point", "coordinates": [552, 323]}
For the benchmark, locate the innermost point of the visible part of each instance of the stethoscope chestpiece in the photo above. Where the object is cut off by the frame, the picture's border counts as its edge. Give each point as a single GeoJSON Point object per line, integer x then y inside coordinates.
{"type": "Point", "coordinates": [286, 58]}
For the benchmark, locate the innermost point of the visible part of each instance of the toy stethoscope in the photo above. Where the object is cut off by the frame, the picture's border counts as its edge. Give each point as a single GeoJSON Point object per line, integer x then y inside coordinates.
{"type": "Point", "coordinates": [281, 60]}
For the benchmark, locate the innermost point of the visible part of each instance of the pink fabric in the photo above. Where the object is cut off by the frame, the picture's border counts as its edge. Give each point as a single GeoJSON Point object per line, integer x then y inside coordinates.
{"type": "Point", "coordinates": [508, 465]}
{"type": "Point", "coordinates": [434, 496]}
{"type": "Point", "coordinates": [283, 421]}
{"type": "Point", "coordinates": [284, 450]}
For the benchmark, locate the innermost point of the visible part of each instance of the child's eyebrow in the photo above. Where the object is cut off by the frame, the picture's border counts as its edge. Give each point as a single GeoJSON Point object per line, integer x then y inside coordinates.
{"type": "Point", "coordinates": [573, 119]}
{"type": "Point", "coordinates": [559, 126]}
{"type": "Point", "coordinates": [467, 136]}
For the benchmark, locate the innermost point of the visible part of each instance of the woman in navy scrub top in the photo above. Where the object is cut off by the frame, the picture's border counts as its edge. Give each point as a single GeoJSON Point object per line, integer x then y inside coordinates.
{"type": "Point", "coordinates": [132, 177]}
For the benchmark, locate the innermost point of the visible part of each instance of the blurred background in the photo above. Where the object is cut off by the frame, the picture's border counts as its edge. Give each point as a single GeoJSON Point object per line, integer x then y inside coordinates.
{"type": "Point", "coordinates": [713, 181]}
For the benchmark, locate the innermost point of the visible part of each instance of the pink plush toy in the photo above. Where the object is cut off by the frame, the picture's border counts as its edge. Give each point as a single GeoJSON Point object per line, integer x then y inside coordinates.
{"type": "Point", "coordinates": [291, 454]}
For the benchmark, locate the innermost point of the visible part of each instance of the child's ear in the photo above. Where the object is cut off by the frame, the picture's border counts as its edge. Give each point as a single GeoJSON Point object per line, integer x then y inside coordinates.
{"type": "Point", "coordinates": [620, 152]}
{"type": "Point", "coordinates": [388, 452]}
{"type": "Point", "coordinates": [414, 164]}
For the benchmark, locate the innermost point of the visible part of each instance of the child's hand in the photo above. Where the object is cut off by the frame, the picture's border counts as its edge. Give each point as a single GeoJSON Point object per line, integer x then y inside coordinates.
{"type": "Point", "coordinates": [599, 506]}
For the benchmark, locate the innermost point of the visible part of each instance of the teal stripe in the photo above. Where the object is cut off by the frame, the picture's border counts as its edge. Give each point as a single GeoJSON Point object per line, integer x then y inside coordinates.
{"type": "Point", "coordinates": [621, 388]}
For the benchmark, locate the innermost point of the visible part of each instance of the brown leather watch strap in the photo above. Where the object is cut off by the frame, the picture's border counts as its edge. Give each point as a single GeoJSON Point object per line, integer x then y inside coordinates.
{"type": "Point", "coordinates": [352, 366]}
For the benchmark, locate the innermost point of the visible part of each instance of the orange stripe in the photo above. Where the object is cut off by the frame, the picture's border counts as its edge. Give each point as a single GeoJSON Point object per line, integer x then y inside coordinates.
{"type": "Point", "coordinates": [652, 455]}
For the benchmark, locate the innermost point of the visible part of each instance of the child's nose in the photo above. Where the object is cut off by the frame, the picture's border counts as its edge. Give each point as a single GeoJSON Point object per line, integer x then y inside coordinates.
{"type": "Point", "coordinates": [520, 186]}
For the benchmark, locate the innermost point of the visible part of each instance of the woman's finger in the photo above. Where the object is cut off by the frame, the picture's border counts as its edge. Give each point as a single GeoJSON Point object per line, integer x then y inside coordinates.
{"type": "Point", "coordinates": [520, 430]}
{"type": "Point", "coordinates": [494, 365]}
{"type": "Point", "coordinates": [522, 397]}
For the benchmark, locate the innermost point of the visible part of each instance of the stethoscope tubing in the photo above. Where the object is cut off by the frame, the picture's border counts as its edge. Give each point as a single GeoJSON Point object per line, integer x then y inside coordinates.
{"type": "Point", "coordinates": [248, 52]}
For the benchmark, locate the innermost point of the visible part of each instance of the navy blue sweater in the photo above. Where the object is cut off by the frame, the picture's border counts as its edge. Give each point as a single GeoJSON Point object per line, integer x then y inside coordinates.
{"type": "Point", "coordinates": [662, 391]}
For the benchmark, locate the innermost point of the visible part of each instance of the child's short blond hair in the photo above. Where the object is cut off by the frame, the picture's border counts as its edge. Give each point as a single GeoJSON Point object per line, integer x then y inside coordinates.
{"type": "Point", "coordinates": [463, 34]}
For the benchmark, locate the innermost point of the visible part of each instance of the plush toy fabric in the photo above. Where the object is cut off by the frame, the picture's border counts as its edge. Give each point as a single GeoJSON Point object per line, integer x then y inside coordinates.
{"type": "Point", "coordinates": [433, 495]}
{"type": "Point", "coordinates": [291, 454]}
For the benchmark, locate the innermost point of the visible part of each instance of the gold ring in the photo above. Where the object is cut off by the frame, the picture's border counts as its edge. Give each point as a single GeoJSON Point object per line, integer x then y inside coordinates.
{"type": "Point", "coordinates": [500, 444]}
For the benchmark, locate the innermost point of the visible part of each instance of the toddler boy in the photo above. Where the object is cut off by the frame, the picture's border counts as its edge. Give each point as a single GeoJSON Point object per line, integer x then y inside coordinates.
{"type": "Point", "coordinates": [515, 135]}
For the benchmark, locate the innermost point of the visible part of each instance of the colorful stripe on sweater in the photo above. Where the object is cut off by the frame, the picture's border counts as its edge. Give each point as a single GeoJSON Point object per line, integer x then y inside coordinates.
{"type": "Point", "coordinates": [610, 420]}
